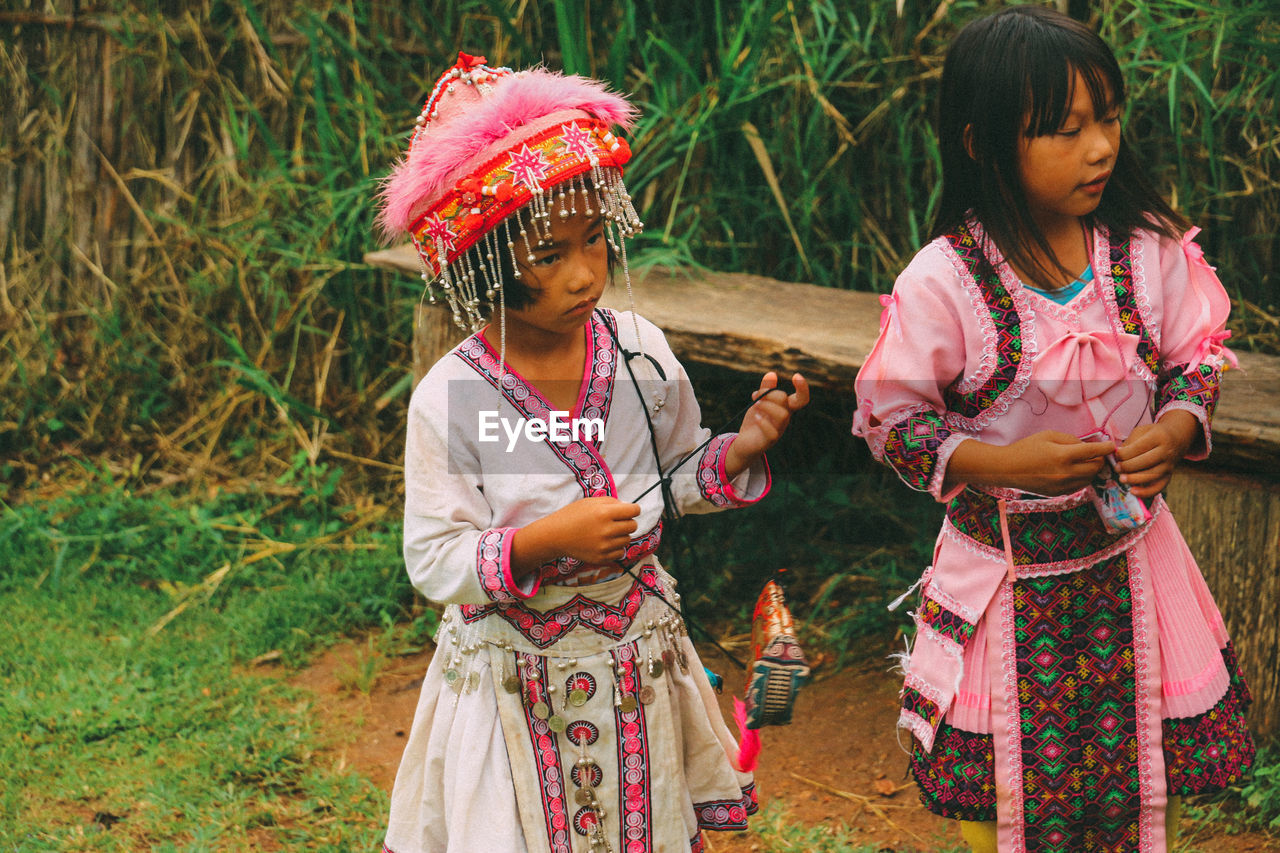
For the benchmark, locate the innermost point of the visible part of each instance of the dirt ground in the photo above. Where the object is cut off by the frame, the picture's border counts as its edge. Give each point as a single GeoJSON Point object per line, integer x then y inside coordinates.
{"type": "Point", "coordinates": [837, 762]}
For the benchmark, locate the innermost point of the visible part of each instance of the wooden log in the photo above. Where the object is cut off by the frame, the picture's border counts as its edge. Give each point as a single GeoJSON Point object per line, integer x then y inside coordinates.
{"type": "Point", "coordinates": [752, 323]}
{"type": "Point", "coordinates": [1232, 525]}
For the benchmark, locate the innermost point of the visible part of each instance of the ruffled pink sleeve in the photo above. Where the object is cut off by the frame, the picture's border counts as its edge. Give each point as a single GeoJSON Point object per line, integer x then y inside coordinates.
{"type": "Point", "coordinates": [920, 351]}
{"type": "Point", "coordinates": [1192, 349]}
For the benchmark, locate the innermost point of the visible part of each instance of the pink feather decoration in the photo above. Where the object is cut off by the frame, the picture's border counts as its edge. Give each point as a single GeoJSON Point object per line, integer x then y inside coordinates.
{"type": "Point", "coordinates": [455, 145]}
{"type": "Point", "coordinates": [749, 739]}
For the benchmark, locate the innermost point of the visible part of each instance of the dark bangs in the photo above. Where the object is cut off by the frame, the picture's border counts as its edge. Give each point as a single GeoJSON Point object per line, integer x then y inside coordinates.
{"type": "Point", "coordinates": [1012, 73]}
{"type": "Point", "coordinates": [1051, 66]}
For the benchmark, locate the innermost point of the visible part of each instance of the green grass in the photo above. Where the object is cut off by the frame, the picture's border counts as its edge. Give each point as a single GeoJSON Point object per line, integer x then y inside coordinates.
{"type": "Point", "coordinates": [131, 717]}
{"type": "Point", "coordinates": [774, 830]}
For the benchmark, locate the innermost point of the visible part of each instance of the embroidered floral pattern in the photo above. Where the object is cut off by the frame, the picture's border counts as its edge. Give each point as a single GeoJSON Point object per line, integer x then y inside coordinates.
{"type": "Point", "coordinates": [1198, 387]}
{"type": "Point", "coordinates": [713, 481]}
{"type": "Point", "coordinates": [727, 814]}
{"type": "Point", "coordinates": [546, 758]}
{"type": "Point", "coordinates": [493, 565]}
{"type": "Point", "coordinates": [1076, 695]}
{"type": "Point", "coordinates": [957, 778]}
{"type": "Point", "coordinates": [911, 447]}
{"type": "Point", "coordinates": [1207, 753]}
{"type": "Point", "coordinates": [583, 458]}
{"type": "Point", "coordinates": [1127, 303]}
{"type": "Point", "coordinates": [545, 628]}
{"type": "Point", "coordinates": [585, 820]}
{"type": "Point", "coordinates": [586, 682]}
{"type": "Point", "coordinates": [635, 795]}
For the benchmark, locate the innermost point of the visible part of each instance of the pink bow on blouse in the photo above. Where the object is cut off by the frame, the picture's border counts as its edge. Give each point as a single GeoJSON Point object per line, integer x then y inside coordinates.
{"type": "Point", "coordinates": [1204, 279]}
{"type": "Point", "coordinates": [1080, 366]}
{"type": "Point", "coordinates": [890, 313]}
{"type": "Point", "coordinates": [1212, 345]}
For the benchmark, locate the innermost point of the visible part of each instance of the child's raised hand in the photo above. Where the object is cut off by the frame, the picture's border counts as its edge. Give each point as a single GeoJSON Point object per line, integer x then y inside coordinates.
{"type": "Point", "coordinates": [765, 422]}
{"type": "Point", "coordinates": [1151, 452]}
{"type": "Point", "coordinates": [593, 530]}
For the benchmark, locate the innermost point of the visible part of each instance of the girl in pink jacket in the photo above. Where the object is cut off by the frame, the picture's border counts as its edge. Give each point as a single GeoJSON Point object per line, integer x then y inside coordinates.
{"type": "Point", "coordinates": [1042, 366]}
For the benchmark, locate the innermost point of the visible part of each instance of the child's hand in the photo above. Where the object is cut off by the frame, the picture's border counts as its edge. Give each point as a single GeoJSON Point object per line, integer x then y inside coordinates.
{"type": "Point", "coordinates": [765, 422]}
{"type": "Point", "coordinates": [1151, 452]}
{"type": "Point", "coordinates": [1046, 463]}
{"type": "Point", "coordinates": [593, 530]}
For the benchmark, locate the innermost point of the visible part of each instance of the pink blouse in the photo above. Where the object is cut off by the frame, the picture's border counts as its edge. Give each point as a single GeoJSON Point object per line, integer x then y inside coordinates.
{"type": "Point", "coordinates": [1079, 370]}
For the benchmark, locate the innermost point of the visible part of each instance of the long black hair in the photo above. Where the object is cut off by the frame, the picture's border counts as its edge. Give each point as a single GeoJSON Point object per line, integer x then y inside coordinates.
{"type": "Point", "coordinates": [1012, 73]}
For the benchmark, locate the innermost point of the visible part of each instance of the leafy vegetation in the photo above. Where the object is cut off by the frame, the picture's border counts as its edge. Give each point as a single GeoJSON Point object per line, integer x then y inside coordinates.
{"type": "Point", "coordinates": [186, 191]}
{"type": "Point", "coordinates": [127, 687]}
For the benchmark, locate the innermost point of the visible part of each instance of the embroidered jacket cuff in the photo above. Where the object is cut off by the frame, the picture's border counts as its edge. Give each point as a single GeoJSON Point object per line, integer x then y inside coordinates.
{"type": "Point", "coordinates": [1194, 390]}
{"type": "Point", "coordinates": [713, 481]}
{"type": "Point", "coordinates": [945, 450]}
{"type": "Point", "coordinates": [493, 566]}
{"type": "Point", "coordinates": [917, 447]}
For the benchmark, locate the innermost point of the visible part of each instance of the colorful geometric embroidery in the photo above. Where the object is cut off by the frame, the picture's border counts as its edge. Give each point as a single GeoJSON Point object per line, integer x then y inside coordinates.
{"type": "Point", "coordinates": [1199, 387]}
{"type": "Point", "coordinates": [1207, 753]}
{"type": "Point", "coordinates": [1008, 329]}
{"type": "Point", "coordinates": [1127, 302]}
{"type": "Point", "coordinates": [911, 447]}
{"type": "Point", "coordinates": [463, 215]}
{"type": "Point", "coordinates": [915, 702]}
{"type": "Point", "coordinates": [727, 814]}
{"type": "Point", "coordinates": [957, 778]}
{"type": "Point", "coordinates": [1048, 536]}
{"type": "Point", "coordinates": [1008, 324]}
{"type": "Point", "coordinates": [1202, 755]}
{"type": "Point", "coordinates": [1076, 694]}
{"type": "Point", "coordinates": [635, 795]}
{"type": "Point", "coordinates": [545, 628]}
{"type": "Point", "coordinates": [950, 625]}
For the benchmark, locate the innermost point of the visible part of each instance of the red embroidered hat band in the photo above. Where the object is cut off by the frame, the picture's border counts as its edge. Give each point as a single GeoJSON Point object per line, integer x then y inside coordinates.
{"type": "Point", "coordinates": [494, 155]}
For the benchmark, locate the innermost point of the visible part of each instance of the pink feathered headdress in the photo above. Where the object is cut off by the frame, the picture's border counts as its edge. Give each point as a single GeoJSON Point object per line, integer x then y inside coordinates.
{"type": "Point", "coordinates": [490, 143]}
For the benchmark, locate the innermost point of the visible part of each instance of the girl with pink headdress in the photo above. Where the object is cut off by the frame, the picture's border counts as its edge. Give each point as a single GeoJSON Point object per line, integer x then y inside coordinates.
{"type": "Point", "coordinates": [1043, 365]}
{"type": "Point", "coordinates": [564, 708]}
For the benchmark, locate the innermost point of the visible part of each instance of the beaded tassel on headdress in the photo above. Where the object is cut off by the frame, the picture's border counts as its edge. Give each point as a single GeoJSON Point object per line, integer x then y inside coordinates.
{"type": "Point", "coordinates": [495, 153]}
